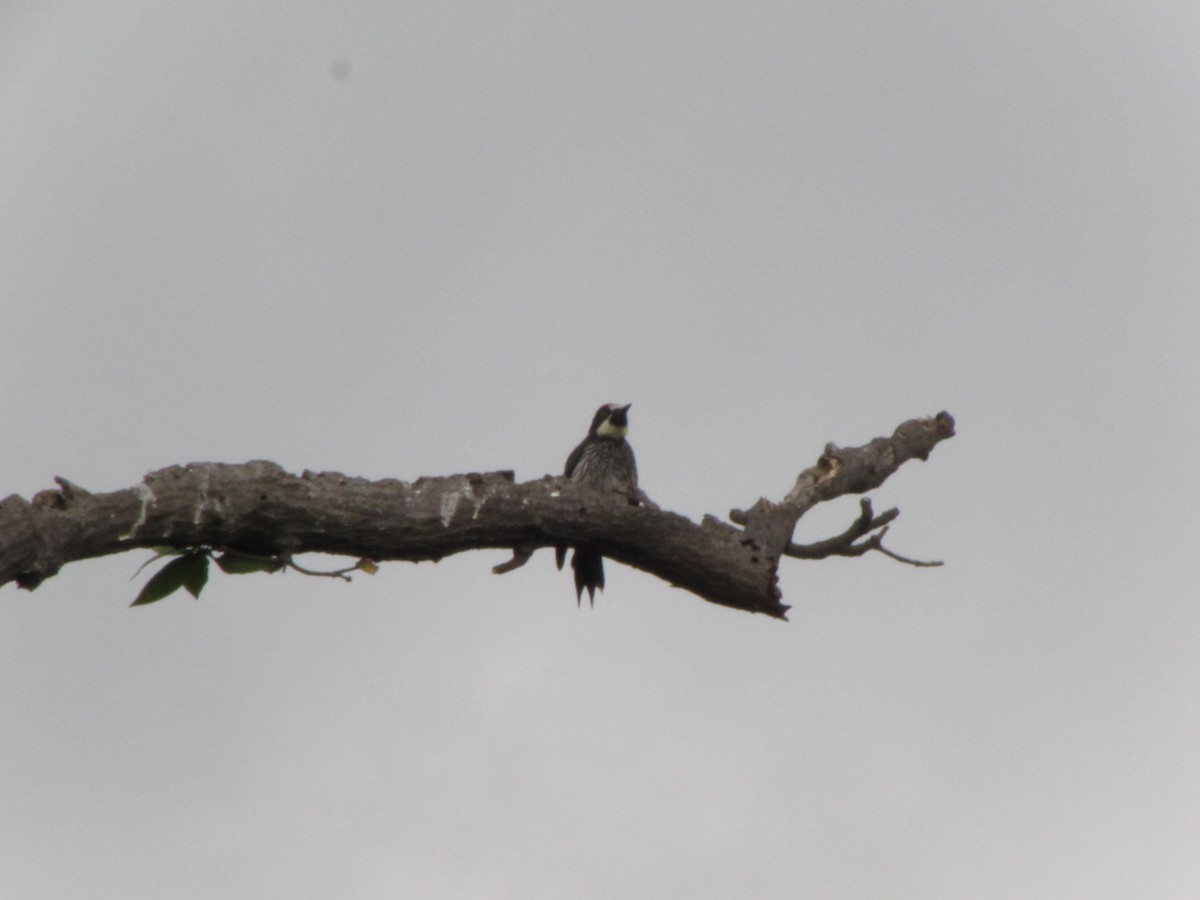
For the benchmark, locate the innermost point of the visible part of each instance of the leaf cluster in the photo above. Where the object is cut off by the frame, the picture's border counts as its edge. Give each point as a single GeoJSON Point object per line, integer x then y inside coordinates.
{"type": "Point", "coordinates": [189, 570]}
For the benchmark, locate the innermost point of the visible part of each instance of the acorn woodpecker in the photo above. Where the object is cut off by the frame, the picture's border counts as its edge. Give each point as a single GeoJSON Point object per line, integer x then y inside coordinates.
{"type": "Point", "coordinates": [604, 461]}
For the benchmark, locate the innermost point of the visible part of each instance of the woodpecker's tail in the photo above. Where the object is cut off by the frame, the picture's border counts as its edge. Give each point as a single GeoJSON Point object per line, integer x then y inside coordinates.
{"type": "Point", "coordinates": [589, 573]}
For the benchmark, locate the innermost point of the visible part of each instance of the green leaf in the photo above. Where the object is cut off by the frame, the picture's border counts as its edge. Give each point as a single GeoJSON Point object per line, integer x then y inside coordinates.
{"type": "Point", "coordinates": [165, 581]}
{"type": "Point", "coordinates": [195, 573]}
{"type": "Point", "coordinates": [160, 552]}
{"type": "Point", "coordinates": [237, 564]}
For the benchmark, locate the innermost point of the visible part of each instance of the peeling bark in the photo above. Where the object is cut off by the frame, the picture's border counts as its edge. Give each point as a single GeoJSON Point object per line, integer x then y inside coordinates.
{"type": "Point", "coordinates": [257, 508]}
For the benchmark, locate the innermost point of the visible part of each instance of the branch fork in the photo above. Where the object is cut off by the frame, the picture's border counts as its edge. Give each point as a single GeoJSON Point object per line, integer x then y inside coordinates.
{"type": "Point", "coordinates": [257, 509]}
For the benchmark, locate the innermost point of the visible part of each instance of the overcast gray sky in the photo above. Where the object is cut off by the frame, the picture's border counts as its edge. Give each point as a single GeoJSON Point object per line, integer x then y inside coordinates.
{"type": "Point", "coordinates": [397, 239]}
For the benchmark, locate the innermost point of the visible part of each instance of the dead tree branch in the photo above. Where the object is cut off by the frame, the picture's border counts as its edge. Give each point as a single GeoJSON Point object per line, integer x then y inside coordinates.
{"type": "Point", "coordinates": [844, 543]}
{"type": "Point", "coordinates": [258, 510]}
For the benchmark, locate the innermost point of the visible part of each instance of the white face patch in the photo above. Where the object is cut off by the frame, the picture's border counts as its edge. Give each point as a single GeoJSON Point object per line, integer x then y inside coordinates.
{"type": "Point", "coordinates": [608, 429]}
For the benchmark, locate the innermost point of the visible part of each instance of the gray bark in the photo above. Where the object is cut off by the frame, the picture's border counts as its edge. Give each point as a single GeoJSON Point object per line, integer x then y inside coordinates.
{"type": "Point", "coordinates": [257, 508]}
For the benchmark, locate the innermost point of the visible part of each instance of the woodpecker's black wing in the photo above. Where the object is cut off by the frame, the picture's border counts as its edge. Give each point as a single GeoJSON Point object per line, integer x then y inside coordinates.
{"type": "Point", "coordinates": [573, 459]}
{"type": "Point", "coordinates": [560, 551]}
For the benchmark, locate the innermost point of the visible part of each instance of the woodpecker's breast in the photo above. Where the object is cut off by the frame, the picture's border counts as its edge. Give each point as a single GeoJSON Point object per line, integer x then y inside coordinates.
{"type": "Point", "coordinates": [608, 465]}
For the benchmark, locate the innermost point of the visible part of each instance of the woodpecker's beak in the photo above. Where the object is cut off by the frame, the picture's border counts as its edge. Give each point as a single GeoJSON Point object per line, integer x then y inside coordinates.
{"type": "Point", "coordinates": [625, 408]}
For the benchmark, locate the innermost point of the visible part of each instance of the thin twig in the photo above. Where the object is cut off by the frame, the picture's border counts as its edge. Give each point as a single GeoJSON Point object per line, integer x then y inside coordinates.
{"type": "Point", "coordinates": [877, 544]}
{"type": "Point", "coordinates": [843, 544]}
{"type": "Point", "coordinates": [339, 573]}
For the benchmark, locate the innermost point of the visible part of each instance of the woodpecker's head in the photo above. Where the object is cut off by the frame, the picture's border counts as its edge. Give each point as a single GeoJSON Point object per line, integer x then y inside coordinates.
{"type": "Point", "coordinates": [611, 421]}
